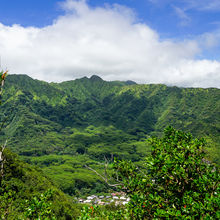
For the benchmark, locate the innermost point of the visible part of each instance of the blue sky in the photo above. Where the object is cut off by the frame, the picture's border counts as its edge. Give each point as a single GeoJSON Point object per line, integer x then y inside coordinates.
{"type": "Point", "coordinates": [189, 25]}
{"type": "Point", "coordinates": [171, 18]}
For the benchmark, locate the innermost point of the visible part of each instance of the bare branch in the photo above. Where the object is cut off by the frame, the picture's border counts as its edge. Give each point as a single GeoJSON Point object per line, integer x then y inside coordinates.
{"type": "Point", "coordinates": [2, 160]}
{"type": "Point", "coordinates": [3, 81]}
{"type": "Point", "coordinates": [106, 166]}
{"type": "Point", "coordinates": [105, 179]}
{"type": "Point", "coordinates": [1, 152]}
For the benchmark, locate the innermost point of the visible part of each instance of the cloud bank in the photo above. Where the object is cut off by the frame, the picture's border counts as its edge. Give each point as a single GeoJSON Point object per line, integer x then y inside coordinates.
{"type": "Point", "coordinates": [107, 41]}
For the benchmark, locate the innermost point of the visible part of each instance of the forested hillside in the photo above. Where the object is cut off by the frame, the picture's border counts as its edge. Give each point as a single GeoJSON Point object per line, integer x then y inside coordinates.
{"type": "Point", "coordinates": [26, 193]}
{"type": "Point", "coordinates": [63, 126]}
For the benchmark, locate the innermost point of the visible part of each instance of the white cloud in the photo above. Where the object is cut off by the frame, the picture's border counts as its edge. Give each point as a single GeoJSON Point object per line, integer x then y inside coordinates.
{"type": "Point", "coordinates": [107, 42]}
{"type": "Point", "coordinates": [185, 19]}
{"type": "Point", "coordinates": [204, 5]}
{"type": "Point", "coordinates": [209, 40]}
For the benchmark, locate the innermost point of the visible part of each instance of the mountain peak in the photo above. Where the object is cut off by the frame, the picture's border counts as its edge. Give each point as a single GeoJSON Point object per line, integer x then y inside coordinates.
{"type": "Point", "coordinates": [130, 82]}
{"type": "Point", "coordinates": [96, 78]}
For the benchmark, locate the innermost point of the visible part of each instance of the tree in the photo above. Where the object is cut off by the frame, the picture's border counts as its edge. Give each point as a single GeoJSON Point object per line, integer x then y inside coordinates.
{"type": "Point", "coordinates": [176, 182]}
{"type": "Point", "coordinates": [3, 75]}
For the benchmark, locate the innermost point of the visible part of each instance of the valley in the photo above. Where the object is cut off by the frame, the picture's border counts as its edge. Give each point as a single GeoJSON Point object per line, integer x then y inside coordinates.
{"type": "Point", "coordinates": [61, 127]}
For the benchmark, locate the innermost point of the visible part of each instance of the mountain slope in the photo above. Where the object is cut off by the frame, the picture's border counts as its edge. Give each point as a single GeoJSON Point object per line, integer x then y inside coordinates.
{"type": "Point", "coordinates": [23, 185]}
{"type": "Point", "coordinates": [63, 126]}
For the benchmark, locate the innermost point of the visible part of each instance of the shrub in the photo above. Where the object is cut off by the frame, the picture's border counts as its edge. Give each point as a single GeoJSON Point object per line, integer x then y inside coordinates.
{"type": "Point", "coordinates": [40, 207]}
{"type": "Point", "coordinates": [177, 181]}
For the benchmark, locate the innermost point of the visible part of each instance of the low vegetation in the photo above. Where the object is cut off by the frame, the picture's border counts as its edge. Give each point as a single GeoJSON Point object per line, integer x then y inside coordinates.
{"type": "Point", "coordinates": [67, 130]}
{"type": "Point", "coordinates": [62, 127]}
{"type": "Point", "coordinates": [177, 182]}
{"type": "Point", "coordinates": [25, 192]}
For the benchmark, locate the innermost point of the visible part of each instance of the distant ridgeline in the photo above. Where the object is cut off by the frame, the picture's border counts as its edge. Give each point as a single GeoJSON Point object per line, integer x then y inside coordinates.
{"type": "Point", "coordinates": [63, 126]}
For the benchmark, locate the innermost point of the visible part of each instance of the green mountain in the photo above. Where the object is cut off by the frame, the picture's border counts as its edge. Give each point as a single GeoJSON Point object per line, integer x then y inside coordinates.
{"type": "Point", "coordinates": [62, 127]}
{"type": "Point", "coordinates": [26, 193]}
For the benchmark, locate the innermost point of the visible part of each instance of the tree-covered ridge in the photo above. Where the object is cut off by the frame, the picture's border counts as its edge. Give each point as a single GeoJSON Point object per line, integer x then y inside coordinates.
{"type": "Point", "coordinates": [93, 101]}
{"type": "Point", "coordinates": [24, 193]}
{"type": "Point", "coordinates": [63, 126]}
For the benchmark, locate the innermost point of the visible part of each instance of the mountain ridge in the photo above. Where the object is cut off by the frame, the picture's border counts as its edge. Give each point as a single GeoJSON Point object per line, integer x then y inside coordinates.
{"type": "Point", "coordinates": [113, 100]}
{"type": "Point", "coordinates": [62, 126]}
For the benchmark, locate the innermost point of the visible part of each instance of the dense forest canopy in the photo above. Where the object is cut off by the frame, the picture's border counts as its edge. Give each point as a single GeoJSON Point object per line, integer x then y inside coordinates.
{"type": "Point", "coordinates": [63, 126]}
{"type": "Point", "coordinates": [68, 129]}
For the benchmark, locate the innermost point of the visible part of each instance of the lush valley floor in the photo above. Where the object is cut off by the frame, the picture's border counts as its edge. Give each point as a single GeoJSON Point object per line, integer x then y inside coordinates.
{"type": "Point", "coordinates": [61, 127]}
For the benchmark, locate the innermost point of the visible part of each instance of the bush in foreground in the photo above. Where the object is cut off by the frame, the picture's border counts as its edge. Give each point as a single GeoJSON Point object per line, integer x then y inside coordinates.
{"type": "Point", "coordinates": [177, 181]}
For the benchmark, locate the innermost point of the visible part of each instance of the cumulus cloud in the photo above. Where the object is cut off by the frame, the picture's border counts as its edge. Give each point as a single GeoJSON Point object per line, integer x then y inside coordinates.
{"type": "Point", "coordinates": [107, 41]}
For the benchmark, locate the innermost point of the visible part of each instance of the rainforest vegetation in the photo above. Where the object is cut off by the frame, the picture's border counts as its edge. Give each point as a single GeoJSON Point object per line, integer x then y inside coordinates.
{"type": "Point", "coordinates": [58, 129]}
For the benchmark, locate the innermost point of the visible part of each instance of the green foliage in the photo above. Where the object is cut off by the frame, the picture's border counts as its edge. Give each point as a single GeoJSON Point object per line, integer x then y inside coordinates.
{"type": "Point", "coordinates": [26, 191]}
{"type": "Point", "coordinates": [177, 181]}
{"type": "Point", "coordinates": [109, 212]}
{"type": "Point", "coordinates": [93, 119]}
{"type": "Point", "coordinates": [62, 127]}
{"type": "Point", "coordinates": [40, 207]}
{"type": "Point", "coordinates": [66, 153]}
